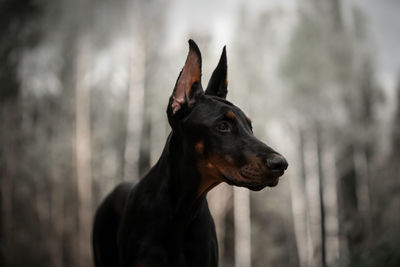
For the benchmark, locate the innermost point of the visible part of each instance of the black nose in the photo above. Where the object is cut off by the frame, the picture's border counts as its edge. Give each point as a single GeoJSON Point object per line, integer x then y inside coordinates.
{"type": "Point", "coordinates": [276, 163]}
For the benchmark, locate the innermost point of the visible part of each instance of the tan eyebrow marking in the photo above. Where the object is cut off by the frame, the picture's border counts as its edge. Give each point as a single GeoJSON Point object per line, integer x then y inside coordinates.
{"type": "Point", "coordinates": [230, 115]}
{"type": "Point", "coordinates": [248, 119]}
{"type": "Point", "coordinates": [200, 147]}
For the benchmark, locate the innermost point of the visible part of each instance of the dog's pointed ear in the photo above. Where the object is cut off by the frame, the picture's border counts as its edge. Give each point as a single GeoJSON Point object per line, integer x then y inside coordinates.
{"type": "Point", "coordinates": [218, 84]}
{"type": "Point", "coordinates": [188, 86]}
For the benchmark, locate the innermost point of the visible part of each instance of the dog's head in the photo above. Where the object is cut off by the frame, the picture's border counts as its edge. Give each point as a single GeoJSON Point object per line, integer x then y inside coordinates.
{"type": "Point", "coordinates": [218, 132]}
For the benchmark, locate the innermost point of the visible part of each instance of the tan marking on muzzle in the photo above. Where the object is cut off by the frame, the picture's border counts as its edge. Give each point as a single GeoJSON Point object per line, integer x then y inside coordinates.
{"type": "Point", "coordinates": [248, 119]}
{"type": "Point", "coordinates": [212, 171]}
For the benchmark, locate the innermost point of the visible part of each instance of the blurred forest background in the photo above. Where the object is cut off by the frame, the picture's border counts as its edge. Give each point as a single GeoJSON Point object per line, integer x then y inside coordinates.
{"type": "Point", "coordinates": [84, 86]}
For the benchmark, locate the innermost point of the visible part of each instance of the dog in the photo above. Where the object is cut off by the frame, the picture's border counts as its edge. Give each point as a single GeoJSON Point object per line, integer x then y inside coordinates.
{"type": "Point", "coordinates": [164, 219]}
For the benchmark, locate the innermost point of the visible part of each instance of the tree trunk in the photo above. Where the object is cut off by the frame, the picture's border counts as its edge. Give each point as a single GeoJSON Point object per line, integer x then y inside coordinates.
{"type": "Point", "coordinates": [350, 226]}
{"type": "Point", "coordinates": [241, 211]}
{"type": "Point", "coordinates": [395, 134]}
{"type": "Point", "coordinates": [135, 110]}
{"type": "Point", "coordinates": [321, 193]}
{"type": "Point", "coordinates": [57, 223]}
{"type": "Point", "coordinates": [362, 167]}
{"type": "Point", "coordinates": [330, 193]}
{"type": "Point", "coordinates": [83, 152]}
{"type": "Point", "coordinates": [150, 67]}
{"type": "Point", "coordinates": [301, 210]}
{"type": "Point", "coordinates": [337, 15]}
{"type": "Point", "coordinates": [9, 139]}
{"type": "Point", "coordinates": [220, 201]}
{"type": "Point", "coordinates": [145, 137]}
{"type": "Point", "coordinates": [19, 30]}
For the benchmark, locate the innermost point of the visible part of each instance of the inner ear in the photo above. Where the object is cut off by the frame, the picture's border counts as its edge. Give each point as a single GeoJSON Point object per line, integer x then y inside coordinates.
{"type": "Point", "coordinates": [218, 84]}
{"type": "Point", "coordinates": [188, 85]}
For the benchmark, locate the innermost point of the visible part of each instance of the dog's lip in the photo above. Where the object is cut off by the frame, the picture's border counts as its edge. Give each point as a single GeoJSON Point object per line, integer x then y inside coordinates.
{"type": "Point", "coordinates": [270, 175]}
{"type": "Point", "coordinates": [270, 181]}
{"type": "Point", "coordinates": [229, 181]}
{"type": "Point", "coordinates": [257, 187]}
{"type": "Point", "coordinates": [274, 181]}
{"type": "Point", "coordinates": [278, 173]}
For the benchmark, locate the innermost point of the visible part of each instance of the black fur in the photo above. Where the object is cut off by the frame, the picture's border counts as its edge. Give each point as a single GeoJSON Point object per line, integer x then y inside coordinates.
{"type": "Point", "coordinates": [164, 220]}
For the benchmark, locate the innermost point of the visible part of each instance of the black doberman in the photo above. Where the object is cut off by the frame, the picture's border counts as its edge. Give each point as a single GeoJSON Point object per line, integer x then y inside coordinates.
{"type": "Point", "coordinates": [164, 220]}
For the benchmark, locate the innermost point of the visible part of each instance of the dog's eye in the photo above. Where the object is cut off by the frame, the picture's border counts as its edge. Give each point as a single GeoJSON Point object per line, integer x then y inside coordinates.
{"type": "Point", "coordinates": [224, 127]}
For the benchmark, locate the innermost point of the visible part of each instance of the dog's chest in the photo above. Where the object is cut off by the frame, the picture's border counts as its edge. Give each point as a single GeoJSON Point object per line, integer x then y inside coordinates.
{"type": "Point", "coordinates": [176, 245]}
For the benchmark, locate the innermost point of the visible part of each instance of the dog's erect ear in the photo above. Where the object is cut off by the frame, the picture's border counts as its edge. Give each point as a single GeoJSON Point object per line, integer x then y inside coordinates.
{"type": "Point", "coordinates": [188, 85]}
{"type": "Point", "coordinates": [218, 84]}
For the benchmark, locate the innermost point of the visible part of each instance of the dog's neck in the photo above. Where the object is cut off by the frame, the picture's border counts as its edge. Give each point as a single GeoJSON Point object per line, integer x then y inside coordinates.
{"type": "Point", "coordinates": [183, 181]}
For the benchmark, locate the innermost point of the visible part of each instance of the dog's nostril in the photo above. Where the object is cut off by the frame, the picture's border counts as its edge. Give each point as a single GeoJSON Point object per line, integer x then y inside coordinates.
{"type": "Point", "coordinates": [276, 163]}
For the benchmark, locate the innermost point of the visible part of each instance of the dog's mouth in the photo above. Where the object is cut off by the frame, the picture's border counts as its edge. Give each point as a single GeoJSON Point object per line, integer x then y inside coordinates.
{"type": "Point", "coordinates": [259, 178]}
{"type": "Point", "coordinates": [254, 175]}
{"type": "Point", "coordinates": [253, 185]}
{"type": "Point", "coordinates": [255, 180]}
